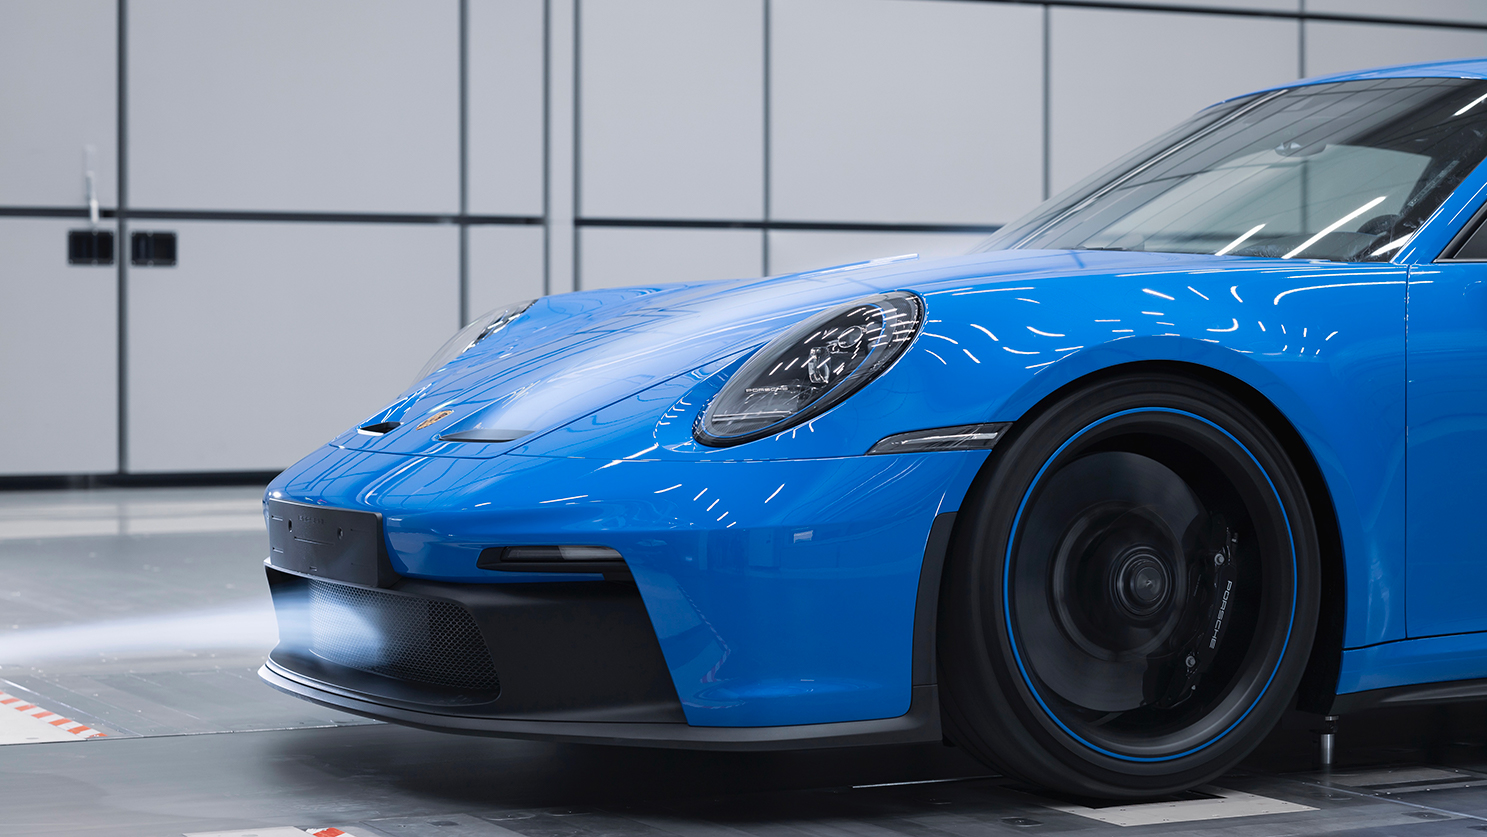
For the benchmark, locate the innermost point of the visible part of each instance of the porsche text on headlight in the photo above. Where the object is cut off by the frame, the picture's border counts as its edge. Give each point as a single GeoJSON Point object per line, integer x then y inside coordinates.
{"type": "Point", "coordinates": [811, 368]}
{"type": "Point", "coordinates": [482, 327]}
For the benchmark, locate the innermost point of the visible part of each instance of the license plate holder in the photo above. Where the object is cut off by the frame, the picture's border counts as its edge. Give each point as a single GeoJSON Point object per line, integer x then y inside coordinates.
{"type": "Point", "coordinates": [336, 544]}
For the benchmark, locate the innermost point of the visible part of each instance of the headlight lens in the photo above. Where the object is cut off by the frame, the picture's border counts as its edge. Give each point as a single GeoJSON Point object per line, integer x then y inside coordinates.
{"type": "Point", "coordinates": [811, 368]}
{"type": "Point", "coordinates": [484, 326]}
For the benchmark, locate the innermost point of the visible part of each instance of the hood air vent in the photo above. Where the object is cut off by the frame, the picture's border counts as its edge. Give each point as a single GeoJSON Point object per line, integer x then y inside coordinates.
{"type": "Point", "coordinates": [379, 428]}
{"type": "Point", "coordinates": [487, 435]}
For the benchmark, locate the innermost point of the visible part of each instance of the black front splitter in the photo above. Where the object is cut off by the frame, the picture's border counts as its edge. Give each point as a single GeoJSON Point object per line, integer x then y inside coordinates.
{"type": "Point", "coordinates": [920, 724]}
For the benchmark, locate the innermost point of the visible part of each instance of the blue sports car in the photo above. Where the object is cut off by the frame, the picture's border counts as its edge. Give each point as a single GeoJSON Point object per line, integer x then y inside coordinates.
{"type": "Point", "coordinates": [1196, 441]}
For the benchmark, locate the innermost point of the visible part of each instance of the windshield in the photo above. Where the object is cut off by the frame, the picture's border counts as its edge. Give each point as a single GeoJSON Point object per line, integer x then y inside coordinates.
{"type": "Point", "coordinates": [1345, 171]}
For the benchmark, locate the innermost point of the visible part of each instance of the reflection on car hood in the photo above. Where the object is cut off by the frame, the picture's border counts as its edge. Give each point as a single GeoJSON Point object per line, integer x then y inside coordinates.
{"type": "Point", "coordinates": [572, 354]}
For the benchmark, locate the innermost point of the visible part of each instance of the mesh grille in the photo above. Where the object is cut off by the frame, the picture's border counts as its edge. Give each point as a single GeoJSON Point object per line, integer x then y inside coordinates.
{"type": "Point", "coordinates": [426, 640]}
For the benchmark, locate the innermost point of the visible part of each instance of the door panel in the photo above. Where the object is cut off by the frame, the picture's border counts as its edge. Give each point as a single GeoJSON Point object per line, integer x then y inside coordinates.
{"type": "Point", "coordinates": [672, 109]}
{"type": "Point", "coordinates": [904, 112]}
{"type": "Point", "coordinates": [58, 97]}
{"type": "Point", "coordinates": [506, 265]}
{"type": "Point", "coordinates": [1447, 449]}
{"type": "Point", "coordinates": [505, 114]}
{"type": "Point", "coordinates": [613, 257]}
{"type": "Point", "coordinates": [268, 339]}
{"type": "Point", "coordinates": [279, 105]}
{"type": "Point", "coordinates": [58, 336]}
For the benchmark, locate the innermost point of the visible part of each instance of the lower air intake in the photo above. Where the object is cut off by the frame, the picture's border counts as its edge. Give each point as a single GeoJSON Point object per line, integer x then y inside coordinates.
{"type": "Point", "coordinates": [406, 637]}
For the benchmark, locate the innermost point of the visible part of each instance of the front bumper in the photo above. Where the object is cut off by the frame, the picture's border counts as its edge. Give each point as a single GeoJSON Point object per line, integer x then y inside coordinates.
{"type": "Point", "coordinates": [781, 593]}
{"type": "Point", "coordinates": [547, 651]}
{"type": "Point", "coordinates": [566, 661]}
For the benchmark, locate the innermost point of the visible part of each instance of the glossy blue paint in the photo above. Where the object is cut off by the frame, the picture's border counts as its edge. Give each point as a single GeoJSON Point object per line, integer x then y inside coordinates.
{"type": "Point", "coordinates": [782, 592]}
{"type": "Point", "coordinates": [1447, 448]}
{"type": "Point", "coordinates": [1408, 662]}
{"type": "Point", "coordinates": [780, 574]}
{"type": "Point", "coordinates": [1323, 341]}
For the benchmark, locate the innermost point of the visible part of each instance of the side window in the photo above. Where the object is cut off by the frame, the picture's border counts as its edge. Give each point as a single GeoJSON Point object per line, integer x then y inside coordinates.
{"type": "Point", "coordinates": [1472, 248]}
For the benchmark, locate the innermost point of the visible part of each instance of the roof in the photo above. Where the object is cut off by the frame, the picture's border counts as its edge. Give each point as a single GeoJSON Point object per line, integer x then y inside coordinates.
{"type": "Point", "coordinates": [1475, 68]}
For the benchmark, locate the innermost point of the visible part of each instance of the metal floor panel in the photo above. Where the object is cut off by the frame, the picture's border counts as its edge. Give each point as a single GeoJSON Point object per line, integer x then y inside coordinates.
{"type": "Point", "coordinates": [220, 699]}
{"type": "Point", "coordinates": [143, 615]}
{"type": "Point", "coordinates": [388, 780]}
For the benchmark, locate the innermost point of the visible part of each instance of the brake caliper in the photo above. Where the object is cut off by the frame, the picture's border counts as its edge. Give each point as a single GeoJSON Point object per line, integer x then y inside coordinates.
{"type": "Point", "coordinates": [1196, 644]}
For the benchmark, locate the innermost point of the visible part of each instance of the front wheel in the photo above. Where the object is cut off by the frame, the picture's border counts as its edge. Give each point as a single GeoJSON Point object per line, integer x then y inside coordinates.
{"type": "Point", "coordinates": [1132, 593]}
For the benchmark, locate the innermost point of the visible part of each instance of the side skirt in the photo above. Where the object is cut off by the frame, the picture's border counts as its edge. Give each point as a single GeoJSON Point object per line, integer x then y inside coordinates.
{"type": "Point", "coordinates": [1417, 695]}
{"type": "Point", "coordinates": [1434, 669]}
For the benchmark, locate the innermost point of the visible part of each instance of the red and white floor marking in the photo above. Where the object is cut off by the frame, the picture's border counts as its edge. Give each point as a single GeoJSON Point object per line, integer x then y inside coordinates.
{"type": "Point", "coordinates": [277, 831]}
{"type": "Point", "coordinates": [23, 722]}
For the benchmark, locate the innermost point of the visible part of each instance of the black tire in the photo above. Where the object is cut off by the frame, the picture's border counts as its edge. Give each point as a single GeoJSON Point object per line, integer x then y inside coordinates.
{"type": "Point", "coordinates": [1132, 592]}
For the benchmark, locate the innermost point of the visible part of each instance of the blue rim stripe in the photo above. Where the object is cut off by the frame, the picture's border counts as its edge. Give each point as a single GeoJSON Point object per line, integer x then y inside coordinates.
{"type": "Point", "coordinates": [1007, 575]}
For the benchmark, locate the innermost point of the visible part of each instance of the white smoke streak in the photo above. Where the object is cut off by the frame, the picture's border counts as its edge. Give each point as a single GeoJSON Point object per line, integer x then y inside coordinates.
{"type": "Point", "coordinates": [242, 626]}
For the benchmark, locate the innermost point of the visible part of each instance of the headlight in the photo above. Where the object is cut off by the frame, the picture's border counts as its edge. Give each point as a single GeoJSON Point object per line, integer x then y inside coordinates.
{"type": "Point", "coordinates": [809, 369]}
{"type": "Point", "coordinates": [484, 326]}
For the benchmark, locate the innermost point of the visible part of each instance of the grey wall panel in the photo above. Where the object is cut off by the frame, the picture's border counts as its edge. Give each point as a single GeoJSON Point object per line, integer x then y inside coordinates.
{"type": "Point", "coordinates": [58, 63]}
{"type": "Point", "coordinates": [672, 98]}
{"type": "Point", "coordinates": [1473, 11]}
{"type": "Point", "coordinates": [905, 110]}
{"type": "Point", "coordinates": [270, 338]}
{"type": "Point", "coordinates": [1120, 78]}
{"type": "Point", "coordinates": [1260, 5]}
{"type": "Point", "coordinates": [562, 31]}
{"type": "Point", "coordinates": [613, 257]}
{"type": "Point", "coordinates": [505, 266]}
{"type": "Point", "coordinates": [791, 251]}
{"type": "Point", "coordinates": [1337, 47]}
{"type": "Point", "coordinates": [505, 112]}
{"type": "Point", "coordinates": [339, 105]}
{"type": "Point", "coordinates": [58, 354]}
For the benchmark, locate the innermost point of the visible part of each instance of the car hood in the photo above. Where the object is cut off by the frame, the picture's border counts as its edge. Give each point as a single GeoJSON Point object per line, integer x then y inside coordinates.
{"type": "Point", "coordinates": [573, 354]}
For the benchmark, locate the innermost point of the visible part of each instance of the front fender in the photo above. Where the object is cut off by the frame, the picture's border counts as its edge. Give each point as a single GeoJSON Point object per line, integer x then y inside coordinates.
{"type": "Point", "coordinates": [1324, 343]}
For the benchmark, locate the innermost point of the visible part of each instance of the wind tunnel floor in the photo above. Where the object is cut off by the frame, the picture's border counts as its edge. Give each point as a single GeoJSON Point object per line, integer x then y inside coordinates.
{"type": "Point", "coordinates": [131, 623]}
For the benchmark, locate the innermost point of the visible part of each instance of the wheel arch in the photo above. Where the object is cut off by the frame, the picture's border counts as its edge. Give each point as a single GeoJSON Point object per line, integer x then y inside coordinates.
{"type": "Point", "coordinates": [1319, 682]}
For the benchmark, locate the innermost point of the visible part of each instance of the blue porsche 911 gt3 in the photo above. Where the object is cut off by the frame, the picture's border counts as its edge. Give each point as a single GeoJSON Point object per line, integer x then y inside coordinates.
{"type": "Point", "coordinates": [1198, 440]}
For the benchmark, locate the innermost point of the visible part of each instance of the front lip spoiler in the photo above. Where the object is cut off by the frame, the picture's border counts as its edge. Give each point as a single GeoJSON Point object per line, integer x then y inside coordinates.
{"type": "Point", "coordinates": [920, 724]}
